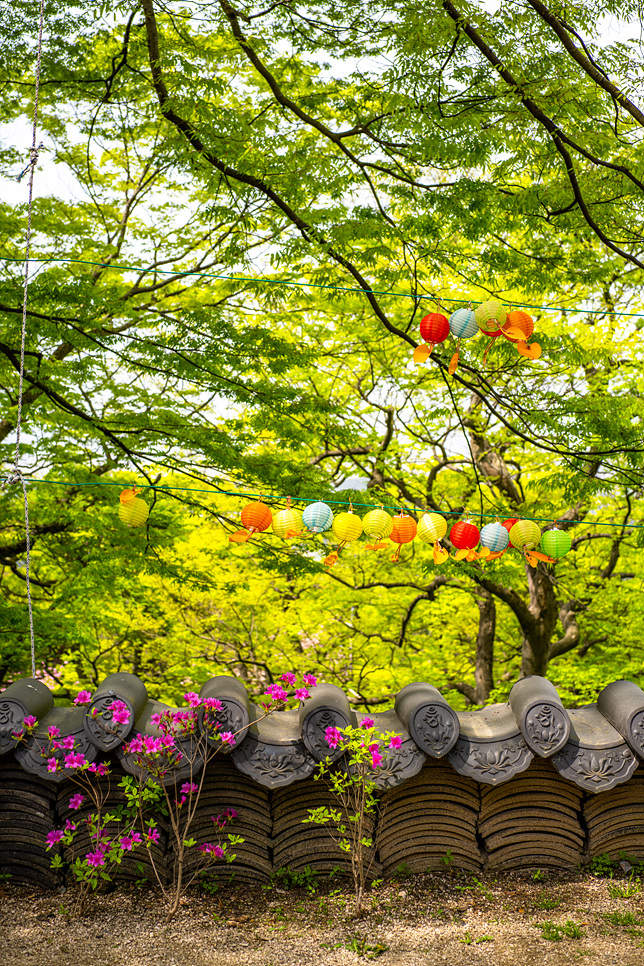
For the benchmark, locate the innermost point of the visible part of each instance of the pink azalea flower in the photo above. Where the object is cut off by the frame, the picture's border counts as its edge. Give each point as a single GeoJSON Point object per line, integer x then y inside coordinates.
{"type": "Point", "coordinates": [209, 848]}
{"type": "Point", "coordinates": [30, 721]}
{"type": "Point", "coordinates": [70, 826]}
{"type": "Point", "coordinates": [302, 694]}
{"type": "Point", "coordinates": [56, 745]}
{"type": "Point", "coordinates": [153, 835]}
{"type": "Point", "coordinates": [310, 680]}
{"type": "Point", "coordinates": [192, 698]}
{"type": "Point", "coordinates": [128, 842]}
{"type": "Point", "coordinates": [53, 732]}
{"type": "Point", "coordinates": [100, 769]}
{"type": "Point", "coordinates": [189, 788]}
{"type": "Point", "coordinates": [395, 742]}
{"type": "Point", "coordinates": [332, 737]}
{"type": "Point", "coordinates": [230, 813]}
{"type": "Point", "coordinates": [120, 712]}
{"type": "Point", "coordinates": [376, 757]}
{"type": "Point", "coordinates": [228, 738]}
{"type": "Point", "coordinates": [52, 764]}
{"type": "Point", "coordinates": [213, 704]}
{"type": "Point", "coordinates": [74, 760]}
{"type": "Point", "coordinates": [68, 742]}
{"type": "Point", "coordinates": [156, 719]}
{"type": "Point", "coordinates": [367, 723]}
{"type": "Point", "coordinates": [53, 838]}
{"type": "Point", "coordinates": [76, 800]}
{"type": "Point", "coordinates": [276, 692]}
{"type": "Point", "coordinates": [17, 734]}
{"type": "Point", "coordinates": [95, 858]}
{"type": "Point", "coordinates": [83, 697]}
{"type": "Point", "coordinates": [289, 678]}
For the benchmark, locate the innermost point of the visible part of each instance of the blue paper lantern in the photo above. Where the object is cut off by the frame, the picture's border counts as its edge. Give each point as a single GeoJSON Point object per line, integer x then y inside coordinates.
{"type": "Point", "coordinates": [317, 517]}
{"type": "Point", "coordinates": [494, 537]}
{"type": "Point", "coordinates": [463, 324]}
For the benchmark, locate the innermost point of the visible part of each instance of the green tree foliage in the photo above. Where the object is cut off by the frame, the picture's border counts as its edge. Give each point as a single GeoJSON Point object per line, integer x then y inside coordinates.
{"type": "Point", "coordinates": [378, 148]}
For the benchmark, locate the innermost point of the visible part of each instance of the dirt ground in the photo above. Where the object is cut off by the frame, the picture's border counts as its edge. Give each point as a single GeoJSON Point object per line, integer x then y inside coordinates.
{"type": "Point", "coordinates": [448, 918]}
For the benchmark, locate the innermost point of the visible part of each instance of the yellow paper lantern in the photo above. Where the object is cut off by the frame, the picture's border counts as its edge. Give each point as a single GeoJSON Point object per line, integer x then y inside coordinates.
{"type": "Point", "coordinates": [287, 523]}
{"type": "Point", "coordinates": [490, 316]}
{"type": "Point", "coordinates": [525, 535]}
{"type": "Point", "coordinates": [347, 527]}
{"type": "Point", "coordinates": [431, 527]}
{"type": "Point", "coordinates": [134, 512]}
{"type": "Point", "coordinates": [377, 524]}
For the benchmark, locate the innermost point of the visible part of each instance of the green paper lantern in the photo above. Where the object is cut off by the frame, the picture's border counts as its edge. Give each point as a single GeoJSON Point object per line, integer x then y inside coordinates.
{"type": "Point", "coordinates": [556, 543]}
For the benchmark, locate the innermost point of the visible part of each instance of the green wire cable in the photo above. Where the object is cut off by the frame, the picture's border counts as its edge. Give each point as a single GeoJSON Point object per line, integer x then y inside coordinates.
{"type": "Point", "coordinates": [317, 285]}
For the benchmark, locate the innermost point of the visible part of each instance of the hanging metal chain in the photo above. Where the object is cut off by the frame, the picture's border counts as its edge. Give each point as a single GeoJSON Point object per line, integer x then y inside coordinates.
{"type": "Point", "coordinates": [16, 475]}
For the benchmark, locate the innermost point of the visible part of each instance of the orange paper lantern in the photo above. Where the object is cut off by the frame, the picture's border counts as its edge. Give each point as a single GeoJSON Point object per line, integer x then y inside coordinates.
{"type": "Point", "coordinates": [255, 517]}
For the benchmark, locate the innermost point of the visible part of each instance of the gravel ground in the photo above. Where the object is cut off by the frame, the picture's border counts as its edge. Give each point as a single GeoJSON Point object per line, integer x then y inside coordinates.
{"type": "Point", "coordinates": [450, 919]}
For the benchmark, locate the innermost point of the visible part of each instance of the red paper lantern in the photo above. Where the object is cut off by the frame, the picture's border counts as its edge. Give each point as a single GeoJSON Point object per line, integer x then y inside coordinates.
{"type": "Point", "coordinates": [508, 524]}
{"type": "Point", "coordinates": [464, 536]}
{"type": "Point", "coordinates": [434, 327]}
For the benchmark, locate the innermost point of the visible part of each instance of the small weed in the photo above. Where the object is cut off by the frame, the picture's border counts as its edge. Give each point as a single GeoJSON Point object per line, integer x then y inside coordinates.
{"type": "Point", "coordinates": [554, 933]}
{"type": "Point", "coordinates": [601, 866]}
{"type": "Point", "coordinates": [621, 918]}
{"type": "Point", "coordinates": [632, 888]}
{"type": "Point", "coordinates": [546, 902]}
{"type": "Point", "coordinates": [360, 946]}
{"type": "Point", "coordinates": [305, 878]}
{"type": "Point", "coordinates": [447, 859]}
{"type": "Point", "coordinates": [469, 939]}
{"type": "Point", "coordinates": [539, 876]}
{"type": "Point", "coordinates": [402, 872]}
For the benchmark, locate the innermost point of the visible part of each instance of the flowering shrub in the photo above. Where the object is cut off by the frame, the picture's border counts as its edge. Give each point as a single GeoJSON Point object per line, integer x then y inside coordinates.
{"type": "Point", "coordinates": [352, 783]}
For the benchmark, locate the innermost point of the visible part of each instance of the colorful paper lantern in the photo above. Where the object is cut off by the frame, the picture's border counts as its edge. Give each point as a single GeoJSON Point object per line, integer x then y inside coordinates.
{"type": "Point", "coordinates": [464, 536]}
{"type": "Point", "coordinates": [403, 531]}
{"type": "Point", "coordinates": [347, 528]}
{"type": "Point", "coordinates": [525, 535]}
{"type": "Point", "coordinates": [377, 525]}
{"type": "Point", "coordinates": [255, 518]}
{"type": "Point", "coordinates": [434, 329]}
{"type": "Point", "coordinates": [287, 523]}
{"type": "Point", "coordinates": [508, 524]}
{"type": "Point", "coordinates": [495, 537]}
{"type": "Point", "coordinates": [518, 328]}
{"type": "Point", "coordinates": [463, 324]}
{"type": "Point", "coordinates": [490, 316]}
{"type": "Point", "coordinates": [431, 527]}
{"type": "Point", "coordinates": [556, 543]}
{"type": "Point", "coordinates": [133, 511]}
{"type": "Point", "coordinates": [317, 517]}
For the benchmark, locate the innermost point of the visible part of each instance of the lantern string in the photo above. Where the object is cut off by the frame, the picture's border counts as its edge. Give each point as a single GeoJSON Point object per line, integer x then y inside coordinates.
{"type": "Point", "coordinates": [244, 279]}
{"type": "Point", "coordinates": [278, 498]}
{"type": "Point", "coordinates": [17, 476]}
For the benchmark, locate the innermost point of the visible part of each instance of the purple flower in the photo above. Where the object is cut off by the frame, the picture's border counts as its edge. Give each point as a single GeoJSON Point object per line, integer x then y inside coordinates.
{"type": "Point", "coordinates": [53, 732]}
{"type": "Point", "coordinates": [128, 842]}
{"type": "Point", "coordinates": [156, 719]}
{"type": "Point", "coordinates": [70, 826]}
{"type": "Point", "coordinates": [230, 813]}
{"type": "Point", "coordinates": [74, 760]}
{"type": "Point", "coordinates": [213, 704]}
{"type": "Point", "coordinates": [120, 712]}
{"type": "Point", "coordinates": [83, 697]}
{"type": "Point", "coordinates": [100, 769]}
{"type": "Point", "coordinates": [192, 698]}
{"type": "Point", "coordinates": [376, 757]}
{"type": "Point", "coordinates": [302, 694]}
{"type": "Point", "coordinates": [208, 848]}
{"type": "Point", "coordinates": [95, 858]}
{"type": "Point", "coordinates": [289, 678]}
{"type": "Point", "coordinates": [52, 764]}
{"type": "Point", "coordinates": [310, 680]}
{"type": "Point", "coordinates": [68, 742]}
{"type": "Point", "coordinates": [76, 800]}
{"type": "Point", "coordinates": [227, 738]}
{"type": "Point", "coordinates": [53, 838]}
{"type": "Point", "coordinates": [276, 692]}
{"type": "Point", "coordinates": [367, 723]}
{"type": "Point", "coordinates": [135, 747]}
{"type": "Point", "coordinates": [189, 788]}
{"type": "Point", "coordinates": [332, 736]}
{"type": "Point", "coordinates": [395, 742]}
{"type": "Point", "coordinates": [152, 834]}
{"type": "Point", "coordinates": [30, 721]}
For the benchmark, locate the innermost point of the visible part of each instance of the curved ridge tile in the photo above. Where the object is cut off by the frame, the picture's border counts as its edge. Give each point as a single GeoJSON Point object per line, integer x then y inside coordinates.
{"type": "Point", "coordinates": [328, 707]}
{"type": "Point", "coordinates": [540, 714]}
{"type": "Point", "coordinates": [273, 753]}
{"type": "Point", "coordinates": [21, 699]}
{"type": "Point", "coordinates": [34, 752]}
{"type": "Point", "coordinates": [428, 718]}
{"type": "Point", "coordinates": [490, 747]}
{"type": "Point", "coordinates": [595, 757]}
{"type": "Point", "coordinates": [622, 704]}
{"type": "Point", "coordinates": [99, 727]}
{"type": "Point", "coordinates": [235, 713]}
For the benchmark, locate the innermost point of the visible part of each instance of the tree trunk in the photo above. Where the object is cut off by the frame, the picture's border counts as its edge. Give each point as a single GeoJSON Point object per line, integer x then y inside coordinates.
{"type": "Point", "coordinates": [538, 633]}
